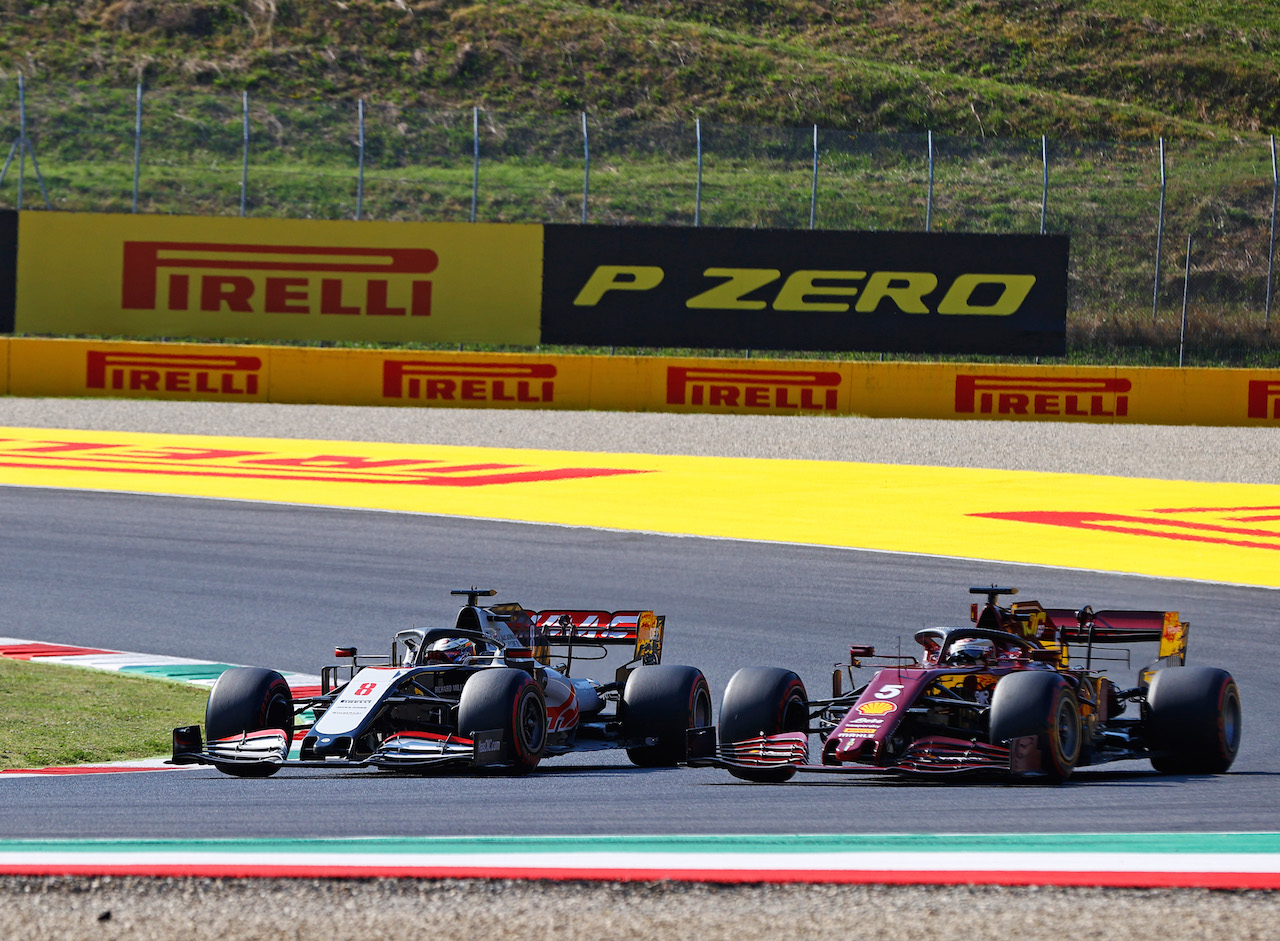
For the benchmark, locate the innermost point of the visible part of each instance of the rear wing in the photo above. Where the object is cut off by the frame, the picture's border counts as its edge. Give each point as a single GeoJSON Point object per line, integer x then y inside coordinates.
{"type": "Point", "coordinates": [640, 629]}
{"type": "Point", "coordinates": [1124, 627]}
{"type": "Point", "coordinates": [1090, 627]}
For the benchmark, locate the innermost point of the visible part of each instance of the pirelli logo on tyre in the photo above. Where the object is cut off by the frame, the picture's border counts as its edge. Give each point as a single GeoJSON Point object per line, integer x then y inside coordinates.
{"type": "Point", "coordinates": [749, 388]}
{"type": "Point", "coordinates": [214, 277]}
{"type": "Point", "coordinates": [1042, 396]}
{"type": "Point", "coordinates": [449, 382]}
{"type": "Point", "coordinates": [1264, 399]}
{"type": "Point", "coordinates": [183, 375]}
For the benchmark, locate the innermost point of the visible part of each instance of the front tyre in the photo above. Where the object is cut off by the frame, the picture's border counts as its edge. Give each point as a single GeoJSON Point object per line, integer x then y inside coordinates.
{"type": "Point", "coordinates": [1193, 720]}
{"type": "Point", "coordinates": [249, 699]}
{"type": "Point", "coordinates": [1042, 704]}
{"type": "Point", "coordinates": [662, 703]}
{"type": "Point", "coordinates": [512, 701]}
{"type": "Point", "coordinates": [763, 701]}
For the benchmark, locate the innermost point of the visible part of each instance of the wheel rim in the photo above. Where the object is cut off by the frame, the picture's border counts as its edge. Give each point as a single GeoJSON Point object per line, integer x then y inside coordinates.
{"type": "Point", "coordinates": [795, 716]}
{"type": "Point", "coordinates": [1068, 730]}
{"type": "Point", "coordinates": [532, 723]}
{"type": "Point", "coordinates": [1231, 723]}
{"type": "Point", "coordinates": [700, 715]}
{"type": "Point", "coordinates": [280, 714]}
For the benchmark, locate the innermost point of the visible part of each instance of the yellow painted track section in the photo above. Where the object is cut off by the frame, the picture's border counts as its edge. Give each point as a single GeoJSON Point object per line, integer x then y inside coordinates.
{"type": "Point", "coordinates": [1210, 531]}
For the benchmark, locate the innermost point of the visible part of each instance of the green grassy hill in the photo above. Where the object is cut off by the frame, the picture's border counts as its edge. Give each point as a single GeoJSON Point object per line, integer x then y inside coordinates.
{"type": "Point", "coordinates": [1084, 69]}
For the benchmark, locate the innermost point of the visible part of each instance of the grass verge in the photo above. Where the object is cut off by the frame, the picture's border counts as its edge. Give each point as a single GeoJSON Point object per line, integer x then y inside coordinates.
{"type": "Point", "coordinates": [60, 715]}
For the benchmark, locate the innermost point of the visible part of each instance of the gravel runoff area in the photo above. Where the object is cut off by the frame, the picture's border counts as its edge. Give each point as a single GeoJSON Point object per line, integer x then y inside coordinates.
{"type": "Point", "coordinates": [39, 908]}
{"type": "Point", "coordinates": [1243, 455]}
{"type": "Point", "coordinates": [137, 909]}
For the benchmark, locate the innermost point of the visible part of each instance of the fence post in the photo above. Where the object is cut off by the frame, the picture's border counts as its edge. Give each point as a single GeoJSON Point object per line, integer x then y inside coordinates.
{"type": "Point", "coordinates": [813, 198]}
{"type": "Point", "coordinates": [475, 160]}
{"type": "Point", "coordinates": [697, 199]}
{"type": "Point", "coordinates": [244, 167]}
{"type": "Point", "coordinates": [586, 167]}
{"type": "Point", "coordinates": [22, 136]}
{"type": "Point", "coordinates": [928, 206]}
{"type": "Point", "coordinates": [1271, 245]}
{"type": "Point", "coordinates": [35, 164]}
{"type": "Point", "coordinates": [1044, 192]}
{"type": "Point", "coordinates": [360, 169]}
{"type": "Point", "coordinates": [137, 145]}
{"type": "Point", "coordinates": [23, 147]}
{"type": "Point", "coordinates": [1186, 287]}
{"type": "Point", "coordinates": [1155, 294]}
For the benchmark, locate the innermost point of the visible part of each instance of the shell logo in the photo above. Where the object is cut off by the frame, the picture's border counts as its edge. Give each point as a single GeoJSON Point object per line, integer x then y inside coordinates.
{"type": "Point", "coordinates": [878, 708]}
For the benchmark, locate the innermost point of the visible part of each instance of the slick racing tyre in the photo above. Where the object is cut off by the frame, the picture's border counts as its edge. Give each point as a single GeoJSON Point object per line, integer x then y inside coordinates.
{"type": "Point", "coordinates": [663, 703]}
{"type": "Point", "coordinates": [1042, 704]}
{"type": "Point", "coordinates": [763, 701]}
{"type": "Point", "coordinates": [1193, 716]}
{"type": "Point", "coordinates": [511, 701]}
{"type": "Point", "coordinates": [249, 699]}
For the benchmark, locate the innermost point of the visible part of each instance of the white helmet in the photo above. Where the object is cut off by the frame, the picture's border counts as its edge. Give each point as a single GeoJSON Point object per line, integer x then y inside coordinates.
{"type": "Point", "coordinates": [451, 649]}
{"type": "Point", "coordinates": [972, 650]}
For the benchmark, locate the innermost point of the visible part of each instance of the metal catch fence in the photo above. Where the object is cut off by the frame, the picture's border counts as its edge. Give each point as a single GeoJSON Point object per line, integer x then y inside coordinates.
{"type": "Point", "coordinates": [1155, 227]}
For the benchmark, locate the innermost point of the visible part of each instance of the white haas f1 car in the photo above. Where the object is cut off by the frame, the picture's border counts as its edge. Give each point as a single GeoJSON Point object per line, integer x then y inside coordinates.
{"type": "Point", "coordinates": [1018, 693]}
{"type": "Point", "coordinates": [481, 694]}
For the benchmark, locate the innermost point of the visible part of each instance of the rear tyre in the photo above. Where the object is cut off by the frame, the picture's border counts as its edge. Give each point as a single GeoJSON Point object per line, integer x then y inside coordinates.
{"type": "Point", "coordinates": [1042, 704]}
{"type": "Point", "coordinates": [510, 700]}
{"type": "Point", "coordinates": [763, 701]}
{"type": "Point", "coordinates": [1194, 720]}
{"type": "Point", "coordinates": [249, 699]}
{"type": "Point", "coordinates": [663, 703]}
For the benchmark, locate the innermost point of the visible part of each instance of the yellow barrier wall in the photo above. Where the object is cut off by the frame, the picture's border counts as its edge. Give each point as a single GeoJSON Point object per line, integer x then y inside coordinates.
{"type": "Point", "coordinates": [41, 367]}
{"type": "Point", "coordinates": [218, 372]}
{"type": "Point", "coordinates": [281, 279]}
{"type": "Point", "coordinates": [444, 380]}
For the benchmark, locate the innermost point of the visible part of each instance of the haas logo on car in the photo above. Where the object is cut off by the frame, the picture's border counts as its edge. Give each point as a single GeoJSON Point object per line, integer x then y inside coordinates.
{"type": "Point", "coordinates": [562, 704]}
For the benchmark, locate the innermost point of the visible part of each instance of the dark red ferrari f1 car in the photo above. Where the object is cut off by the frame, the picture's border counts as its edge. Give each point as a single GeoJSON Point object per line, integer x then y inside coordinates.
{"type": "Point", "coordinates": [1019, 692]}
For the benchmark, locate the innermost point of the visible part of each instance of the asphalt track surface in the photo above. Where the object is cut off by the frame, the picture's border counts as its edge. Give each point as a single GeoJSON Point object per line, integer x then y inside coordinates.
{"type": "Point", "coordinates": [280, 585]}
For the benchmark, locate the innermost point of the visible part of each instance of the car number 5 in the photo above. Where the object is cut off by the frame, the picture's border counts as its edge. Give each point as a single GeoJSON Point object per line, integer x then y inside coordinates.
{"type": "Point", "coordinates": [889, 691]}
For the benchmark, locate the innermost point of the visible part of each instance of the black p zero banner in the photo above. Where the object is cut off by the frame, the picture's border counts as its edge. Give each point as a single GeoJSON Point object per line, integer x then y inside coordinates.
{"type": "Point", "coordinates": [804, 290]}
{"type": "Point", "coordinates": [8, 267]}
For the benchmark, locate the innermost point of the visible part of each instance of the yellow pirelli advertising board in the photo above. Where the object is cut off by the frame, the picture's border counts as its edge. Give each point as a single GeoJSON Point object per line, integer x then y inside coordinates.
{"type": "Point", "coordinates": [1011, 393]}
{"type": "Point", "coordinates": [447, 379]}
{"type": "Point", "coordinates": [283, 279]}
{"type": "Point", "coordinates": [436, 380]}
{"type": "Point", "coordinates": [1110, 394]}
{"type": "Point", "coordinates": [746, 386]}
{"type": "Point", "coordinates": [104, 369]}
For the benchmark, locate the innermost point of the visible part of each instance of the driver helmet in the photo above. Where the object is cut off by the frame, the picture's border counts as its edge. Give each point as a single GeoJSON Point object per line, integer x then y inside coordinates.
{"type": "Point", "coordinates": [972, 650]}
{"type": "Point", "coordinates": [451, 649]}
